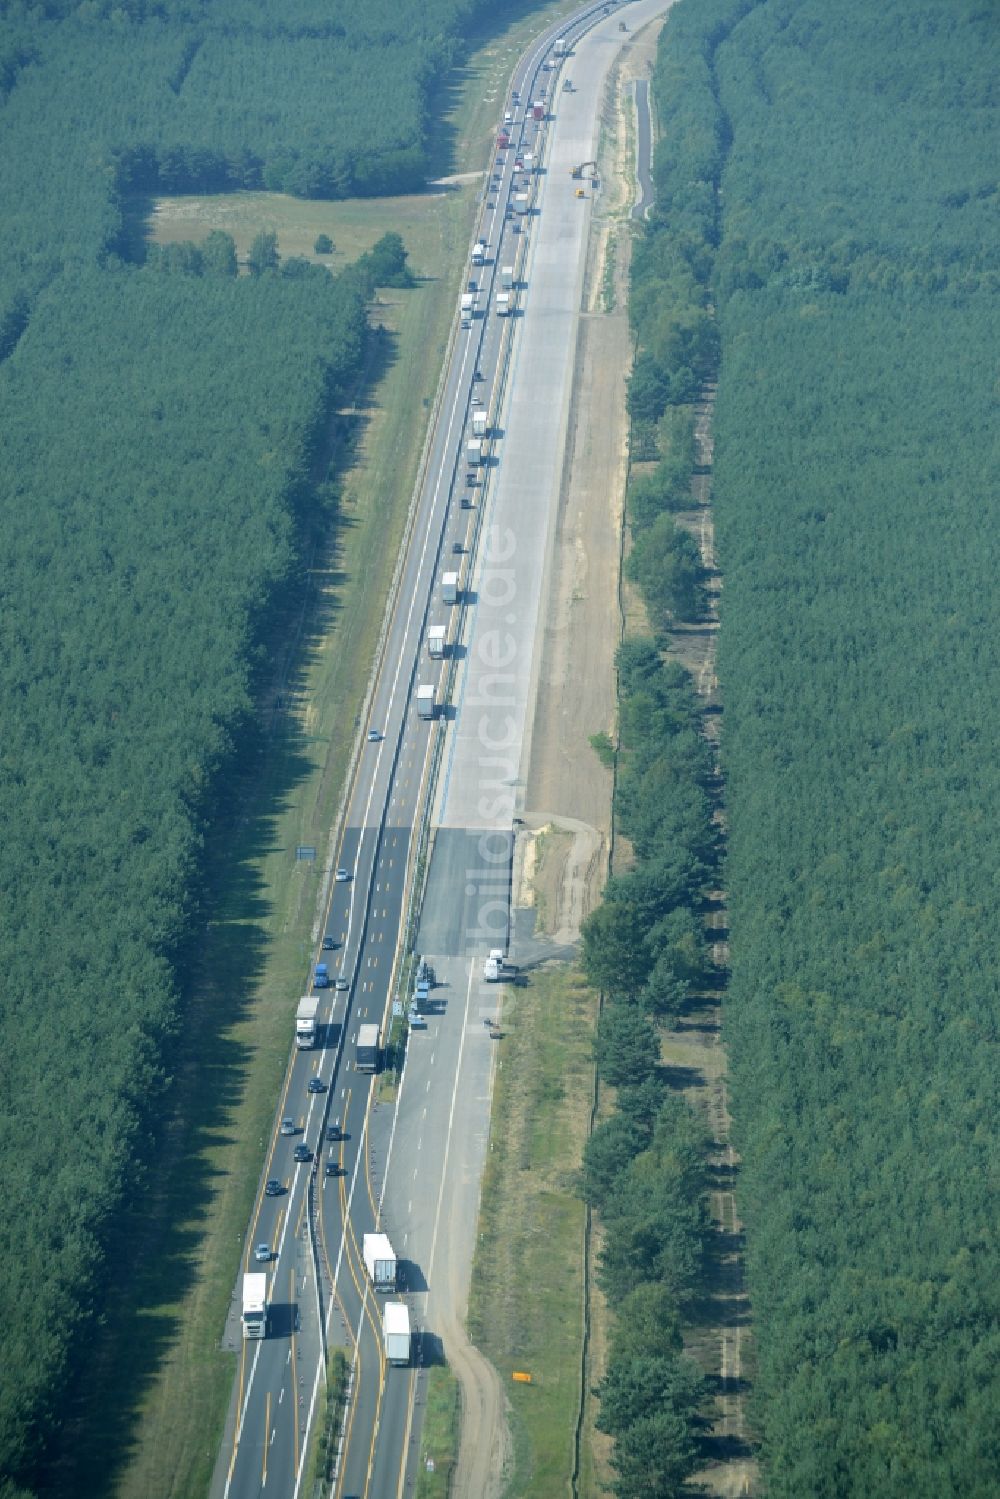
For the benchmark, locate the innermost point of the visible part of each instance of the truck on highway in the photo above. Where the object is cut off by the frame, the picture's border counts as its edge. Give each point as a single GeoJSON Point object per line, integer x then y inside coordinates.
{"type": "Point", "coordinates": [426, 700]}
{"type": "Point", "coordinates": [449, 588]}
{"type": "Point", "coordinates": [479, 252]}
{"type": "Point", "coordinates": [255, 1305]}
{"type": "Point", "coordinates": [503, 304]}
{"type": "Point", "coordinates": [321, 977]}
{"type": "Point", "coordinates": [305, 1022]}
{"type": "Point", "coordinates": [467, 306]}
{"type": "Point", "coordinates": [474, 452]}
{"type": "Point", "coordinates": [366, 1054]}
{"type": "Point", "coordinates": [507, 277]}
{"type": "Point", "coordinates": [480, 423]}
{"type": "Point", "coordinates": [538, 110]}
{"type": "Point", "coordinates": [436, 642]}
{"type": "Point", "coordinates": [396, 1333]}
{"type": "Point", "coordinates": [494, 966]}
{"type": "Point", "coordinates": [522, 203]}
{"type": "Point", "coordinates": [380, 1261]}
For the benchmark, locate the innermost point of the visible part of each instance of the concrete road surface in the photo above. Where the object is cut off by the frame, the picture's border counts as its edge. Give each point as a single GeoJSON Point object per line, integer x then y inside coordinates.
{"type": "Point", "coordinates": [413, 1169]}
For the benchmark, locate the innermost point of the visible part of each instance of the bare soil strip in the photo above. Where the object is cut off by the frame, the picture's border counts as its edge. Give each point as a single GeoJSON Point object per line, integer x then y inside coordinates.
{"type": "Point", "coordinates": [719, 1339]}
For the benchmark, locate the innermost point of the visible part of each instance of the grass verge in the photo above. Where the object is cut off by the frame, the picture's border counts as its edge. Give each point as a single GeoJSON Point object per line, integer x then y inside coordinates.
{"type": "Point", "coordinates": [439, 1442]}
{"type": "Point", "coordinates": [324, 1453]}
{"type": "Point", "coordinates": [526, 1305]}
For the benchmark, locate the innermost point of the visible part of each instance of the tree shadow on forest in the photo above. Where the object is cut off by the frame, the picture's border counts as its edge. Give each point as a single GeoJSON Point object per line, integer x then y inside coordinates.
{"type": "Point", "coordinates": [154, 1249]}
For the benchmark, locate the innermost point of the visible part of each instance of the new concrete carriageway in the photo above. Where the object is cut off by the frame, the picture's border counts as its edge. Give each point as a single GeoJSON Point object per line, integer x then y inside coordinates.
{"type": "Point", "coordinates": [412, 1167]}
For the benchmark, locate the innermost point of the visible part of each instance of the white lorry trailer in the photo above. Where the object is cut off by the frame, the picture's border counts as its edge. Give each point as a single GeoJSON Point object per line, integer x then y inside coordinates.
{"type": "Point", "coordinates": [426, 700]}
{"type": "Point", "coordinates": [494, 966]}
{"type": "Point", "coordinates": [436, 642]}
{"type": "Point", "coordinates": [479, 252]}
{"type": "Point", "coordinates": [380, 1261]}
{"type": "Point", "coordinates": [474, 451]}
{"type": "Point", "coordinates": [507, 277]}
{"type": "Point", "coordinates": [503, 303]}
{"type": "Point", "coordinates": [480, 423]}
{"type": "Point", "coordinates": [396, 1333]}
{"type": "Point", "coordinates": [305, 1022]}
{"type": "Point", "coordinates": [522, 203]}
{"type": "Point", "coordinates": [366, 1052]}
{"type": "Point", "coordinates": [449, 588]}
{"type": "Point", "coordinates": [255, 1305]}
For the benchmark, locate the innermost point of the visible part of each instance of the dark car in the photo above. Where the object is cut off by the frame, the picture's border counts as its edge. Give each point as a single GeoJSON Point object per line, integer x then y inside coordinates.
{"type": "Point", "coordinates": [332, 1166]}
{"type": "Point", "coordinates": [328, 944]}
{"type": "Point", "coordinates": [457, 548]}
{"type": "Point", "coordinates": [333, 1131]}
{"type": "Point", "coordinates": [317, 1085]}
{"type": "Point", "coordinates": [302, 1152]}
{"type": "Point", "coordinates": [273, 1188]}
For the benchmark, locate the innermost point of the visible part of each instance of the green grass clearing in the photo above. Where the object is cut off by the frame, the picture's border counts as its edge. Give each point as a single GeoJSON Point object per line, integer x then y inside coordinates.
{"type": "Point", "coordinates": [526, 1301]}
{"type": "Point", "coordinates": [439, 1441]}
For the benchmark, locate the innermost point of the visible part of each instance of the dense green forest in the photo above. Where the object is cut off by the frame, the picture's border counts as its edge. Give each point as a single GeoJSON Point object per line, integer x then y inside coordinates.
{"type": "Point", "coordinates": [828, 175]}
{"type": "Point", "coordinates": [164, 435]}
{"type": "Point", "coordinates": [644, 1167]}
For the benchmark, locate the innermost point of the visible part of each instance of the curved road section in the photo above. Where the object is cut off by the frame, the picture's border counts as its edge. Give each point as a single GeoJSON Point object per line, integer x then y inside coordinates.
{"type": "Point", "coordinates": [340, 1162]}
{"type": "Point", "coordinates": [644, 149]}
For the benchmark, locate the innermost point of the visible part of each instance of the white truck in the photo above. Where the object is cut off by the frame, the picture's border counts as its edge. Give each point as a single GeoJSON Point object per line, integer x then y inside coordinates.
{"type": "Point", "coordinates": [521, 203]}
{"type": "Point", "coordinates": [467, 308]}
{"type": "Point", "coordinates": [529, 161]}
{"type": "Point", "coordinates": [480, 423]}
{"type": "Point", "coordinates": [449, 588]}
{"type": "Point", "coordinates": [305, 1022]}
{"type": "Point", "coordinates": [503, 304]}
{"type": "Point", "coordinates": [494, 966]}
{"type": "Point", "coordinates": [479, 252]}
{"type": "Point", "coordinates": [507, 277]}
{"type": "Point", "coordinates": [396, 1333]}
{"type": "Point", "coordinates": [426, 700]}
{"type": "Point", "coordinates": [436, 642]}
{"type": "Point", "coordinates": [380, 1261]}
{"type": "Point", "coordinates": [474, 451]}
{"type": "Point", "coordinates": [559, 46]}
{"type": "Point", "coordinates": [255, 1305]}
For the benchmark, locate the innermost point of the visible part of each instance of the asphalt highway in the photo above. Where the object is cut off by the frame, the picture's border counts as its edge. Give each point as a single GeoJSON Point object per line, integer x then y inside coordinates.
{"type": "Point", "coordinates": [412, 1168]}
{"type": "Point", "coordinates": [644, 150]}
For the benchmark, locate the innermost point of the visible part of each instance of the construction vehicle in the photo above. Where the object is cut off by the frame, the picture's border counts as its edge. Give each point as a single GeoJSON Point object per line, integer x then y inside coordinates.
{"type": "Point", "coordinates": [581, 170]}
{"type": "Point", "coordinates": [580, 193]}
